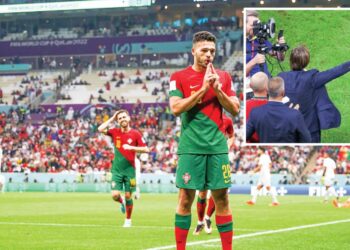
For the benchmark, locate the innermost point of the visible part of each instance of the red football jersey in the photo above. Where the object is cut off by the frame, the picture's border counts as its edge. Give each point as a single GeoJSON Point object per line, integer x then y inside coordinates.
{"type": "Point", "coordinates": [119, 138]}
{"type": "Point", "coordinates": [228, 125]}
{"type": "Point", "coordinates": [253, 103]}
{"type": "Point", "coordinates": [202, 127]}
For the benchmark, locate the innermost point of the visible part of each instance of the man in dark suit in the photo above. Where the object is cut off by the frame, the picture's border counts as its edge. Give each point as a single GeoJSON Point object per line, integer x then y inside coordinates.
{"type": "Point", "coordinates": [307, 89]}
{"type": "Point", "coordinates": [276, 122]}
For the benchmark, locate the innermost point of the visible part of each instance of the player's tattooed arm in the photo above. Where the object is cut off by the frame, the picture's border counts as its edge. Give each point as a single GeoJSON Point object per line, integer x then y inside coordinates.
{"type": "Point", "coordinates": [179, 105]}
{"type": "Point", "coordinates": [230, 103]}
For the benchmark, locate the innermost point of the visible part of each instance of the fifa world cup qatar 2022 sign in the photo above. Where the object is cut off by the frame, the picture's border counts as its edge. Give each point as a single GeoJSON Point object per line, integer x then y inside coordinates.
{"type": "Point", "coordinates": [86, 46]}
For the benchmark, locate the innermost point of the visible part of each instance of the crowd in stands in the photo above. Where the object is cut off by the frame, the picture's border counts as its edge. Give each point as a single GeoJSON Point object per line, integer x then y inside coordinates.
{"type": "Point", "coordinates": [29, 88]}
{"type": "Point", "coordinates": [69, 142]}
{"type": "Point", "coordinates": [131, 25]}
{"type": "Point", "coordinates": [340, 153]}
{"type": "Point", "coordinates": [284, 159]}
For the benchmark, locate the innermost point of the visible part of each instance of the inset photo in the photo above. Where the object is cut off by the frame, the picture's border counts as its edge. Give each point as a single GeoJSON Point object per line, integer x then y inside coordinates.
{"type": "Point", "coordinates": [297, 81]}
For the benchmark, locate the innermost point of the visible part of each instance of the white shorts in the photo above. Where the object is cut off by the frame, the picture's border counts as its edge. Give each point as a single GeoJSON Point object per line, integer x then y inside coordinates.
{"type": "Point", "coordinates": [2, 179]}
{"type": "Point", "coordinates": [328, 182]}
{"type": "Point", "coordinates": [264, 181]}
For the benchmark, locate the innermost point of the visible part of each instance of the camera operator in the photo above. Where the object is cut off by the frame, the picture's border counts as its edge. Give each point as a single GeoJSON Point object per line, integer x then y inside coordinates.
{"type": "Point", "coordinates": [255, 61]}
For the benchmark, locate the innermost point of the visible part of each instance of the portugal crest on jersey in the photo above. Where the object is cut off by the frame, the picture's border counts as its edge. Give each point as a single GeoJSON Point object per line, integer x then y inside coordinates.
{"type": "Point", "coordinates": [186, 177]}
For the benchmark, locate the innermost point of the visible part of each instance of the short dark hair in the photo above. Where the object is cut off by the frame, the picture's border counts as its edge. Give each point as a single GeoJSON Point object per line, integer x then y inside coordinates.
{"type": "Point", "coordinates": [299, 58]}
{"type": "Point", "coordinates": [203, 36]}
{"type": "Point", "coordinates": [262, 149]}
{"type": "Point", "coordinates": [121, 111]}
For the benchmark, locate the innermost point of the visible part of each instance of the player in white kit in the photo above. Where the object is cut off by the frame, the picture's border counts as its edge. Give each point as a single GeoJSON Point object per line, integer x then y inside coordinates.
{"type": "Point", "coordinates": [137, 194]}
{"type": "Point", "coordinates": [328, 176]}
{"type": "Point", "coordinates": [264, 167]}
{"type": "Point", "coordinates": [2, 178]}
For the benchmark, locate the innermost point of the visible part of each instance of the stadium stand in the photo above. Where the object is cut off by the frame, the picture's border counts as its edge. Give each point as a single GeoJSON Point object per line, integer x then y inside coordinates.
{"type": "Point", "coordinates": [19, 90]}
{"type": "Point", "coordinates": [79, 69]}
{"type": "Point", "coordinates": [68, 142]}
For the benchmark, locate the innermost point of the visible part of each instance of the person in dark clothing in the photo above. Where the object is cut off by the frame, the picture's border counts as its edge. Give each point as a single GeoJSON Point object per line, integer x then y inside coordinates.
{"type": "Point", "coordinates": [307, 89]}
{"type": "Point", "coordinates": [275, 122]}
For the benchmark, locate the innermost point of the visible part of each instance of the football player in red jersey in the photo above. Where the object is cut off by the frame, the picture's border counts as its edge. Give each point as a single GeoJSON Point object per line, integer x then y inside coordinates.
{"type": "Point", "coordinates": [204, 221]}
{"type": "Point", "coordinates": [199, 93]}
{"type": "Point", "coordinates": [127, 142]}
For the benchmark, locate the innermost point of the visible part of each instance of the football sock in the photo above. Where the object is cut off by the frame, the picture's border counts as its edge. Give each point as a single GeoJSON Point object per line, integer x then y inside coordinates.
{"type": "Point", "coordinates": [211, 207]}
{"type": "Point", "coordinates": [255, 194]}
{"type": "Point", "coordinates": [118, 199]}
{"type": "Point", "coordinates": [273, 195]}
{"type": "Point", "coordinates": [129, 207]}
{"type": "Point", "coordinates": [327, 194]}
{"type": "Point", "coordinates": [333, 192]}
{"type": "Point", "coordinates": [182, 225]}
{"type": "Point", "coordinates": [201, 204]}
{"type": "Point", "coordinates": [225, 227]}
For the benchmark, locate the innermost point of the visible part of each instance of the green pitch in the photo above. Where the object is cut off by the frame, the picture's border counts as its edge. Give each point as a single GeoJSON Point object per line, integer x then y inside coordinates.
{"type": "Point", "coordinates": [325, 34]}
{"type": "Point", "coordinates": [93, 221]}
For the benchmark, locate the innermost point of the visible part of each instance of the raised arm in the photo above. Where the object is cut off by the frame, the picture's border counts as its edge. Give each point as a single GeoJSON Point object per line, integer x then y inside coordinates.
{"type": "Point", "coordinates": [230, 103]}
{"type": "Point", "coordinates": [104, 125]}
{"type": "Point", "coordinates": [257, 59]}
{"type": "Point", "coordinates": [322, 78]}
{"type": "Point", "coordinates": [179, 105]}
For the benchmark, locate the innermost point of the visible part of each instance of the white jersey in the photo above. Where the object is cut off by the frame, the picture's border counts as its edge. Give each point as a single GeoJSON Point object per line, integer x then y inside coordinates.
{"type": "Point", "coordinates": [330, 166]}
{"type": "Point", "coordinates": [138, 170]}
{"type": "Point", "coordinates": [264, 174]}
{"type": "Point", "coordinates": [264, 163]}
{"type": "Point", "coordinates": [0, 158]}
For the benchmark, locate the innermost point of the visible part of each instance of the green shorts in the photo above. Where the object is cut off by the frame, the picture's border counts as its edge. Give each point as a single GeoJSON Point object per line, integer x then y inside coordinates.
{"type": "Point", "coordinates": [203, 172]}
{"type": "Point", "coordinates": [125, 183]}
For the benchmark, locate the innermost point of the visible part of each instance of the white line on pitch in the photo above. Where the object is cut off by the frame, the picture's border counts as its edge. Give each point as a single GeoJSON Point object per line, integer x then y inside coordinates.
{"type": "Point", "coordinates": [73, 225]}
{"type": "Point", "coordinates": [257, 234]}
{"type": "Point", "coordinates": [92, 225]}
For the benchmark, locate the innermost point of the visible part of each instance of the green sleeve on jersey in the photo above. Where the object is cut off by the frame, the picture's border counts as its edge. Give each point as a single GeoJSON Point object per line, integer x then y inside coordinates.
{"type": "Point", "coordinates": [176, 92]}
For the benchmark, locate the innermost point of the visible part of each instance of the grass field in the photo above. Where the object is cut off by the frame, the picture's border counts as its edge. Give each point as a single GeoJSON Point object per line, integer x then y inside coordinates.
{"type": "Point", "coordinates": [324, 33]}
{"type": "Point", "coordinates": [93, 221]}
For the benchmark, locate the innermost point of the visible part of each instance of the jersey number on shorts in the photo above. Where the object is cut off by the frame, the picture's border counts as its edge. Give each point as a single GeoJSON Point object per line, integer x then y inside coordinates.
{"type": "Point", "coordinates": [226, 172]}
{"type": "Point", "coordinates": [132, 182]}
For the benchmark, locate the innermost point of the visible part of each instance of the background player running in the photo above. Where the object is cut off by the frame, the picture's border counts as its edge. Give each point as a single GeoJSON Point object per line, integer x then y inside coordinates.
{"type": "Point", "coordinates": [264, 167]}
{"type": "Point", "coordinates": [127, 142]}
{"type": "Point", "coordinates": [328, 176]}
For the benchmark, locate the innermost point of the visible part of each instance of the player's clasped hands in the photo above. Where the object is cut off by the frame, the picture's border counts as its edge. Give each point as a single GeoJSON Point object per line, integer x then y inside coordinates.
{"type": "Point", "coordinates": [211, 78]}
